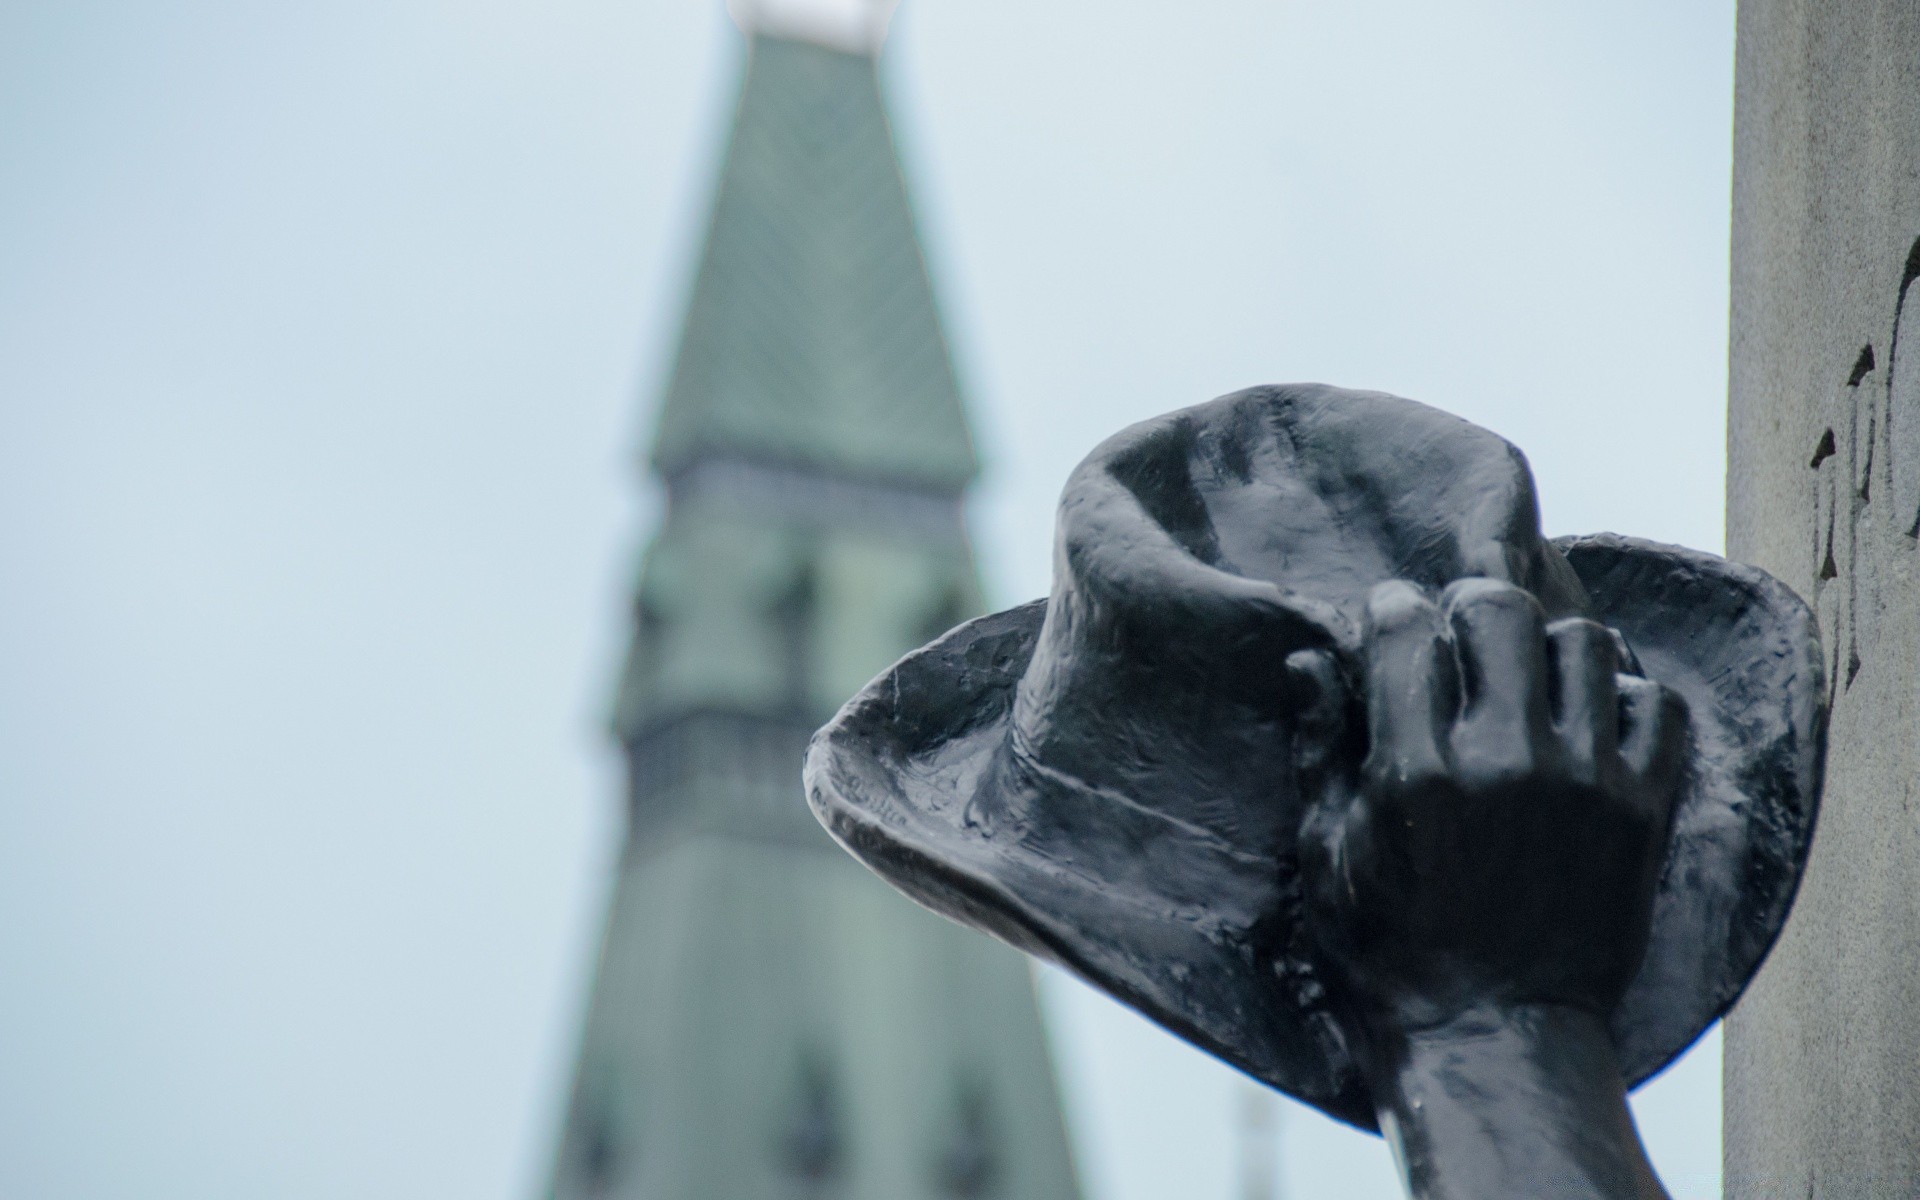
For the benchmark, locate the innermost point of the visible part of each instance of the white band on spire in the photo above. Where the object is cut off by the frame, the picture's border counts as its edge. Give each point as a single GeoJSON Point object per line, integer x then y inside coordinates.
{"type": "Point", "coordinates": [847, 24]}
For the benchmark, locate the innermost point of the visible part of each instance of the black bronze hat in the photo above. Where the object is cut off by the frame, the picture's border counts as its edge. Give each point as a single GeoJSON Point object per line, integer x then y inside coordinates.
{"type": "Point", "coordinates": [1104, 779]}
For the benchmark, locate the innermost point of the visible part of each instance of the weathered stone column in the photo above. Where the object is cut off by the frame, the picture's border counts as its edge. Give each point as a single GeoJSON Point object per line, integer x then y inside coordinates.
{"type": "Point", "coordinates": [1823, 489]}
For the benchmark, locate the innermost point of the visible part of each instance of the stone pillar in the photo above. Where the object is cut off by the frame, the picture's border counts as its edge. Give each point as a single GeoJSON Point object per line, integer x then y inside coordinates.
{"type": "Point", "coordinates": [1823, 489]}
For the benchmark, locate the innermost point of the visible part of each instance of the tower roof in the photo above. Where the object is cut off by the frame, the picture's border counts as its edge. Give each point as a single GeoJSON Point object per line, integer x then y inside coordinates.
{"type": "Point", "coordinates": [812, 338]}
{"type": "Point", "coordinates": [769, 1020]}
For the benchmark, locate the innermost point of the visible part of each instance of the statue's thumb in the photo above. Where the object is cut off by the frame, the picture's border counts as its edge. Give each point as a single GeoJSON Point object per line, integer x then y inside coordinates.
{"type": "Point", "coordinates": [1320, 701]}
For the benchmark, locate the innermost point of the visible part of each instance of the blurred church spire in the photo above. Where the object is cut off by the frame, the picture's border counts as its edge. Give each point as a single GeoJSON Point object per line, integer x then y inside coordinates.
{"type": "Point", "coordinates": [768, 1021]}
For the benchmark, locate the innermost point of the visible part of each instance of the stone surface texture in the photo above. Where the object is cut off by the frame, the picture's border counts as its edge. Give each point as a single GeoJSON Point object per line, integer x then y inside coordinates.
{"type": "Point", "coordinates": [1823, 490]}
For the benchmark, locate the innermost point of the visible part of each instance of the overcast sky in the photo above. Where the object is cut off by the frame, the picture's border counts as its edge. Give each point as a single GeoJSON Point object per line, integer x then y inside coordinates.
{"type": "Point", "coordinates": [328, 337]}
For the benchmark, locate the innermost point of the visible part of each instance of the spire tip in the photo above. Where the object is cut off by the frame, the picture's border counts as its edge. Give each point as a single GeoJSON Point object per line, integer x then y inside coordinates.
{"type": "Point", "coordinates": [854, 25]}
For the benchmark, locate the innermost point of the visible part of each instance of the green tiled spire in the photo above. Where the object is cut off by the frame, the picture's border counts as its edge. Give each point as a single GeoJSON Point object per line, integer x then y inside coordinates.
{"type": "Point", "coordinates": [769, 1021]}
{"type": "Point", "coordinates": [812, 337]}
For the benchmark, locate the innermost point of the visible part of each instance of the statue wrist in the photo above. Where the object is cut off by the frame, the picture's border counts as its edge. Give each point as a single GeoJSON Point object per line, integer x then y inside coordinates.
{"type": "Point", "coordinates": [1498, 1098]}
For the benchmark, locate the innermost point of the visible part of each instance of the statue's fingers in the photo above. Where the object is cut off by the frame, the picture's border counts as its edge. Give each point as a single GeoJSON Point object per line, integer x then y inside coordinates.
{"type": "Point", "coordinates": [1653, 737]}
{"type": "Point", "coordinates": [1499, 637]}
{"type": "Point", "coordinates": [1583, 660]}
{"type": "Point", "coordinates": [1629, 661]}
{"type": "Point", "coordinates": [1410, 686]}
{"type": "Point", "coordinates": [1318, 699]}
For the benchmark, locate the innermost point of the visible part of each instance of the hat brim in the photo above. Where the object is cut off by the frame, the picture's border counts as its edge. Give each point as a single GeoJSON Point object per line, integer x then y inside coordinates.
{"type": "Point", "coordinates": [912, 778]}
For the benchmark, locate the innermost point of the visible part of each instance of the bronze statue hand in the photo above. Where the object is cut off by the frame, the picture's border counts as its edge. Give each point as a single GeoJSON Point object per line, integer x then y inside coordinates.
{"type": "Point", "coordinates": [1501, 840]}
{"type": "Point", "coordinates": [1480, 890]}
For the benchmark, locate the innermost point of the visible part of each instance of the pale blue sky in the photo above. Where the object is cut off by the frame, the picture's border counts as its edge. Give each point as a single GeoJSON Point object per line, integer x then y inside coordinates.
{"type": "Point", "coordinates": [327, 337]}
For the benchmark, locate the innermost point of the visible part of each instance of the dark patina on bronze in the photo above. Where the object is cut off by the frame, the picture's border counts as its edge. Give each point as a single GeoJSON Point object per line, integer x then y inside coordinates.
{"type": "Point", "coordinates": [1322, 757]}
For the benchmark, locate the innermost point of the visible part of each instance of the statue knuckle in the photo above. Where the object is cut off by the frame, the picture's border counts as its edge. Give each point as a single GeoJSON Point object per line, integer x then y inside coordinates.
{"type": "Point", "coordinates": [1404, 777]}
{"type": "Point", "coordinates": [1487, 764]}
{"type": "Point", "coordinates": [1479, 589]}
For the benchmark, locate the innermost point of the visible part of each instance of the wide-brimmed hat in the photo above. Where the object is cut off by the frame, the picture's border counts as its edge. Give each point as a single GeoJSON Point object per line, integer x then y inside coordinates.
{"type": "Point", "coordinates": [1104, 779]}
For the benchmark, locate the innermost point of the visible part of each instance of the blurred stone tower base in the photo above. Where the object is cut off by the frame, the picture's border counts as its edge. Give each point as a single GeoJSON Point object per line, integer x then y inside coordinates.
{"type": "Point", "coordinates": [769, 1021]}
{"type": "Point", "coordinates": [1823, 489]}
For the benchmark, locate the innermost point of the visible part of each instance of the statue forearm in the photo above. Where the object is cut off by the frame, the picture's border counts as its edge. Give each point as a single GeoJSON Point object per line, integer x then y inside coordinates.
{"type": "Point", "coordinates": [1521, 1101]}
